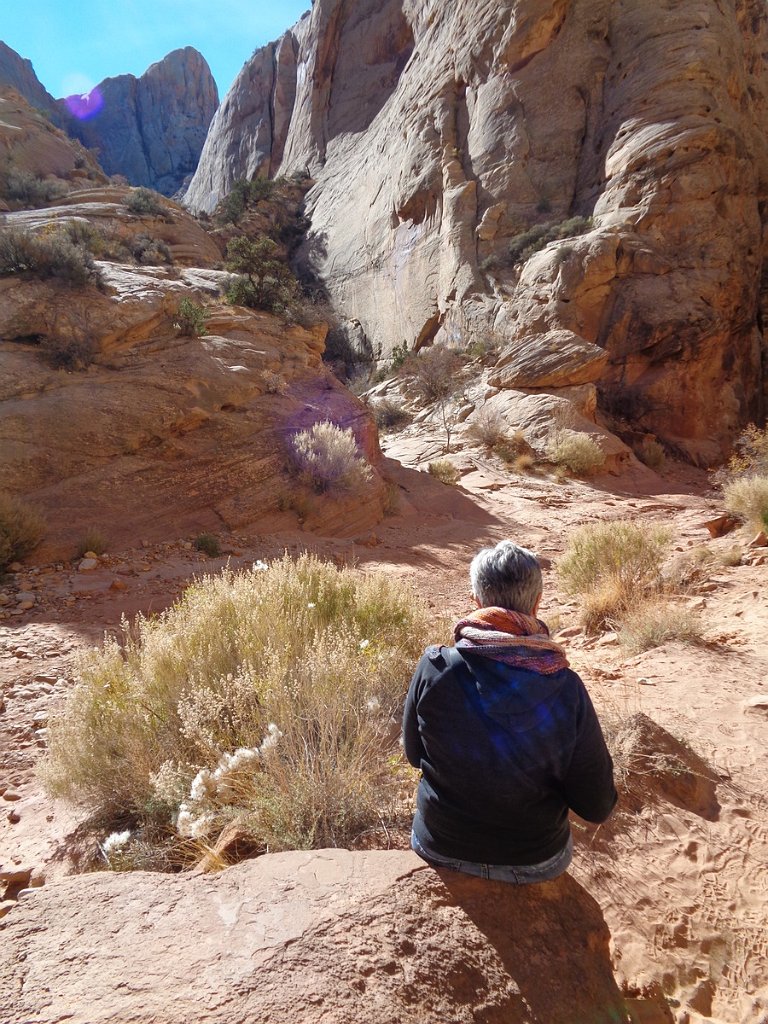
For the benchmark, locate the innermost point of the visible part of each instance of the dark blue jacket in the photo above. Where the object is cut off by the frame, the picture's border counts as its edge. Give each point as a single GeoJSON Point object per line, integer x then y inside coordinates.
{"type": "Point", "coordinates": [504, 753]}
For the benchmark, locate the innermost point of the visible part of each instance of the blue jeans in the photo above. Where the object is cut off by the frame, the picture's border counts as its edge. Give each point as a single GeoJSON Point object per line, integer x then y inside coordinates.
{"type": "Point", "coordinates": [515, 874]}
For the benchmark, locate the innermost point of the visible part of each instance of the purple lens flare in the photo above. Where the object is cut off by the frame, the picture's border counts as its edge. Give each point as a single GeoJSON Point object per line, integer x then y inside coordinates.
{"type": "Point", "coordinates": [85, 106]}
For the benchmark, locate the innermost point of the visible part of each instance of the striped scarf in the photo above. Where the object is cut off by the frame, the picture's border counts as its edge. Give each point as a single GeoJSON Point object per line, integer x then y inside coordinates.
{"type": "Point", "coordinates": [516, 639]}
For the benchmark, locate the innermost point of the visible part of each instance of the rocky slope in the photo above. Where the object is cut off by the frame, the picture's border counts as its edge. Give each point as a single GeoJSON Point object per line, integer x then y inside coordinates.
{"type": "Point", "coordinates": [151, 129]}
{"type": "Point", "coordinates": [438, 134]}
{"type": "Point", "coordinates": [18, 73]}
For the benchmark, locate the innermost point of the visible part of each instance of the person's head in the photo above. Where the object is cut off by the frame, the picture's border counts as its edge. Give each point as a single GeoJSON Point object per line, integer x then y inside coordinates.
{"type": "Point", "coordinates": [506, 576]}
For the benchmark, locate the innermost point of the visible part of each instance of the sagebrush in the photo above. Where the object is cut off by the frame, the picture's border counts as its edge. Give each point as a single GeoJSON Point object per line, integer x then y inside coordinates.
{"type": "Point", "coordinates": [575, 451]}
{"type": "Point", "coordinates": [328, 457]}
{"type": "Point", "coordinates": [270, 696]}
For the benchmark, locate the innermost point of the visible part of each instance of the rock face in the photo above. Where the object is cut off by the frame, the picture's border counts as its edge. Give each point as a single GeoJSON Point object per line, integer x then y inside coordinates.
{"type": "Point", "coordinates": [19, 74]}
{"type": "Point", "coordinates": [438, 133]}
{"type": "Point", "coordinates": [162, 434]}
{"type": "Point", "coordinates": [151, 129]}
{"type": "Point", "coordinates": [331, 936]}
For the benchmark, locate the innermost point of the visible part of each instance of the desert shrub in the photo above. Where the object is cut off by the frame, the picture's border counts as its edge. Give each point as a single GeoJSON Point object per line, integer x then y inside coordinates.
{"type": "Point", "coordinates": [150, 251]}
{"type": "Point", "coordinates": [610, 566]}
{"type": "Point", "coordinates": [264, 695]}
{"type": "Point", "coordinates": [21, 529]}
{"type": "Point", "coordinates": [208, 543]}
{"type": "Point", "coordinates": [243, 194]}
{"type": "Point", "coordinates": [653, 622]}
{"type": "Point", "coordinates": [433, 371]}
{"type": "Point", "coordinates": [750, 454]}
{"type": "Point", "coordinates": [651, 453]}
{"type": "Point", "coordinates": [190, 319]}
{"type": "Point", "coordinates": [747, 497]}
{"type": "Point", "coordinates": [50, 255]}
{"type": "Point", "coordinates": [328, 457]}
{"type": "Point", "coordinates": [488, 427]}
{"type": "Point", "coordinates": [524, 245]}
{"type": "Point", "coordinates": [104, 245]}
{"type": "Point", "coordinates": [274, 384]}
{"type": "Point", "coordinates": [390, 414]}
{"type": "Point", "coordinates": [444, 471]}
{"type": "Point", "coordinates": [92, 540]}
{"type": "Point", "coordinates": [575, 451]}
{"type": "Point", "coordinates": [31, 191]}
{"type": "Point", "coordinates": [66, 352]}
{"type": "Point", "coordinates": [144, 203]}
{"type": "Point", "coordinates": [267, 282]}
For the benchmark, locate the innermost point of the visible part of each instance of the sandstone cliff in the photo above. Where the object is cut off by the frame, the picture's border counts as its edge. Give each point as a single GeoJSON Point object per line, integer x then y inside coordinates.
{"type": "Point", "coordinates": [151, 129]}
{"type": "Point", "coordinates": [438, 134]}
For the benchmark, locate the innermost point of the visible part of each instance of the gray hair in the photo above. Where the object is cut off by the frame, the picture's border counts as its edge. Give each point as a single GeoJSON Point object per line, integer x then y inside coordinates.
{"type": "Point", "coordinates": [506, 576]}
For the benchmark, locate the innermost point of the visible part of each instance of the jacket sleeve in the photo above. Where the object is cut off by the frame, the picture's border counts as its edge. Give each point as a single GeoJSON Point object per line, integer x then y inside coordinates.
{"type": "Point", "coordinates": [588, 786]}
{"type": "Point", "coordinates": [414, 749]}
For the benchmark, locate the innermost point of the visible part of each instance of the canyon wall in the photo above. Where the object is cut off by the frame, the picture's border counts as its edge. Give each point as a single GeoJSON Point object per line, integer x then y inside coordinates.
{"type": "Point", "coordinates": [151, 129]}
{"type": "Point", "coordinates": [437, 134]}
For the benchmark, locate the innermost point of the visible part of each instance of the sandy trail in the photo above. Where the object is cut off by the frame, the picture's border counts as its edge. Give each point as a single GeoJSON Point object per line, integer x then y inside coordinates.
{"type": "Point", "coordinates": [684, 889]}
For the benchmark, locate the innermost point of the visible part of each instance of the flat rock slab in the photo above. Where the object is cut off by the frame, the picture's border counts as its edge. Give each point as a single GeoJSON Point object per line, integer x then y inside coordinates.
{"type": "Point", "coordinates": [301, 938]}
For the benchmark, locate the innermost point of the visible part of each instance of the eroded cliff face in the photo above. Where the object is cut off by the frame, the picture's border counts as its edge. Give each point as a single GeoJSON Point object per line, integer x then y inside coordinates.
{"type": "Point", "coordinates": [437, 133]}
{"type": "Point", "coordinates": [151, 129]}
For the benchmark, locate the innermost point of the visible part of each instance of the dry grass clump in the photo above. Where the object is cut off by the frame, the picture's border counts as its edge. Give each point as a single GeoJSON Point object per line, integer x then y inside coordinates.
{"type": "Point", "coordinates": [444, 471]}
{"type": "Point", "coordinates": [328, 457]}
{"type": "Point", "coordinates": [93, 540]}
{"type": "Point", "coordinates": [747, 497]}
{"type": "Point", "coordinates": [654, 622]}
{"type": "Point", "coordinates": [21, 529]}
{"type": "Point", "coordinates": [611, 566]}
{"type": "Point", "coordinates": [651, 453]}
{"type": "Point", "coordinates": [266, 696]}
{"type": "Point", "coordinates": [575, 451]}
{"type": "Point", "coordinates": [390, 415]}
{"type": "Point", "coordinates": [488, 427]}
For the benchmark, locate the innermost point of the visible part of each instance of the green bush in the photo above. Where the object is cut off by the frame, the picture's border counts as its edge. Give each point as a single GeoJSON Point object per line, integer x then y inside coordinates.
{"type": "Point", "coordinates": [190, 319]}
{"type": "Point", "coordinates": [267, 282]}
{"type": "Point", "coordinates": [93, 540]}
{"type": "Point", "coordinates": [150, 251]}
{"type": "Point", "coordinates": [265, 695]}
{"type": "Point", "coordinates": [21, 529]}
{"type": "Point", "coordinates": [68, 353]}
{"type": "Point", "coordinates": [524, 245]}
{"type": "Point", "coordinates": [144, 203]}
{"type": "Point", "coordinates": [242, 195]}
{"type": "Point", "coordinates": [209, 544]}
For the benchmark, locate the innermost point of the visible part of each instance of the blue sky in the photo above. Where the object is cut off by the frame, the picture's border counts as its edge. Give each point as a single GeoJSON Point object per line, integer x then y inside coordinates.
{"type": "Point", "coordinates": [74, 44]}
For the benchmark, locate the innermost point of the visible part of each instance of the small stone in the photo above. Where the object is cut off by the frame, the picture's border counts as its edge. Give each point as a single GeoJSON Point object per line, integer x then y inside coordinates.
{"type": "Point", "coordinates": [44, 677]}
{"type": "Point", "coordinates": [24, 894]}
{"type": "Point", "coordinates": [25, 606]}
{"type": "Point", "coordinates": [722, 525]}
{"type": "Point", "coordinates": [40, 718]}
{"type": "Point", "coordinates": [91, 554]}
{"type": "Point", "coordinates": [11, 794]}
{"type": "Point", "coordinates": [15, 567]}
{"type": "Point", "coordinates": [13, 817]}
{"type": "Point", "coordinates": [758, 703]}
{"type": "Point", "coordinates": [4, 599]}
{"type": "Point", "coordinates": [568, 631]}
{"type": "Point", "coordinates": [6, 906]}
{"type": "Point", "coordinates": [760, 541]}
{"type": "Point", "coordinates": [26, 595]}
{"type": "Point", "coordinates": [608, 639]}
{"type": "Point", "coordinates": [118, 585]}
{"type": "Point", "coordinates": [88, 564]}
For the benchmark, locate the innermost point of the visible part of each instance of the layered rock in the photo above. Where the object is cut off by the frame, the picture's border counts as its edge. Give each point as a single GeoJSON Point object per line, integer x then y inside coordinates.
{"type": "Point", "coordinates": [331, 936]}
{"type": "Point", "coordinates": [437, 134]}
{"type": "Point", "coordinates": [162, 434]}
{"type": "Point", "coordinates": [151, 129]}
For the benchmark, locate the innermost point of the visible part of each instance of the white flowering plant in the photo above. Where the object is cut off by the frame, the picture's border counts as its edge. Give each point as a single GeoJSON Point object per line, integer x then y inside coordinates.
{"type": "Point", "coordinates": [269, 695]}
